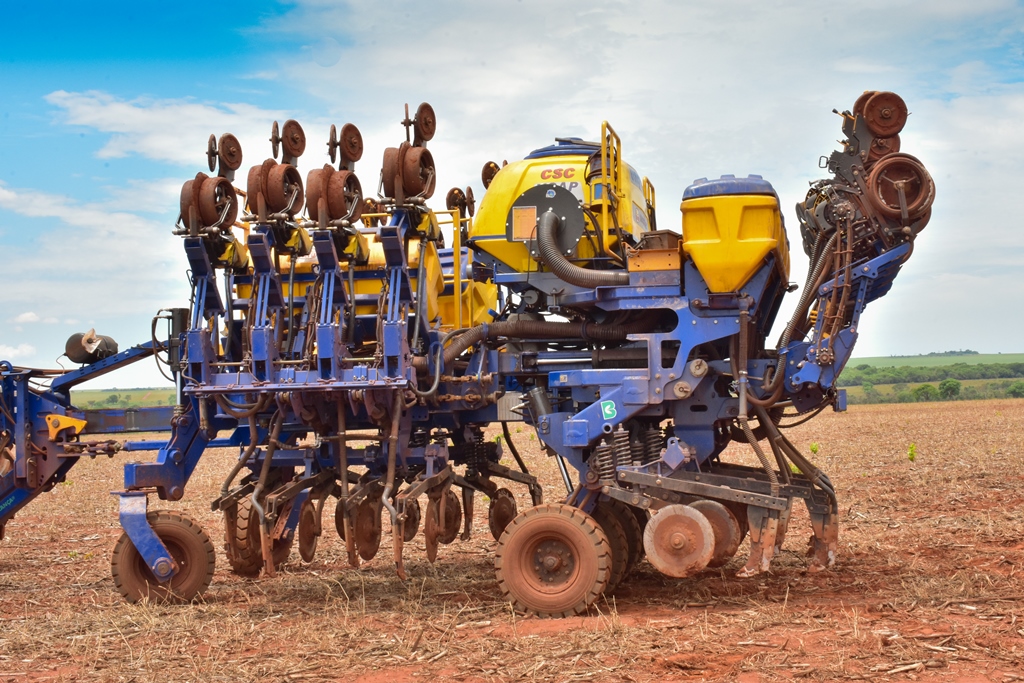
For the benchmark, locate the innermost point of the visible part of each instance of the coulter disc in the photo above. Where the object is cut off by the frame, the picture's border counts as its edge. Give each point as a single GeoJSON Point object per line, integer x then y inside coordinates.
{"type": "Point", "coordinates": [679, 541]}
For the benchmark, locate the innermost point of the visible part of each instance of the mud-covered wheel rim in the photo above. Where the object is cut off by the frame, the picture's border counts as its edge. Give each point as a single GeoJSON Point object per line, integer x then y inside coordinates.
{"type": "Point", "coordinates": [679, 541]}
{"type": "Point", "coordinates": [190, 548]}
{"type": "Point", "coordinates": [553, 560]}
{"type": "Point", "coordinates": [501, 511]}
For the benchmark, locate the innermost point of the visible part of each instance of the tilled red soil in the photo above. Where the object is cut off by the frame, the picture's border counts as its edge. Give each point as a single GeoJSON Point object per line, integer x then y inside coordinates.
{"type": "Point", "coordinates": [928, 585]}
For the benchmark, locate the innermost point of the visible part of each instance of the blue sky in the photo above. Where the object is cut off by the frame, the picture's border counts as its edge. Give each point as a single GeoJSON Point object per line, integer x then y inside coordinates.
{"type": "Point", "coordinates": [106, 109]}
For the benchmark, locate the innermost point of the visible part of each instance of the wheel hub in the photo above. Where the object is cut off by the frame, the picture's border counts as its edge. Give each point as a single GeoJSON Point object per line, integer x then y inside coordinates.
{"type": "Point", "coordinates": [553, 561]}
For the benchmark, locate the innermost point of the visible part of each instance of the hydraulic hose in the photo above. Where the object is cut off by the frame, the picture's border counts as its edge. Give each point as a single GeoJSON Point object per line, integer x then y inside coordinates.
{"type": "Point", "coordinates": [244, 457]}
{"type": "Point", "coordinates": [551, 255]}
{"type": "Point", "coordinates": [773, 478]}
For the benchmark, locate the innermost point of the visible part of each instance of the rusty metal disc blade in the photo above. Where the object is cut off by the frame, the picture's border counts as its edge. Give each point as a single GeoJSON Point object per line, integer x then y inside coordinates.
{"type": "Point", "coordinates": [432, 528]}
{"type": "Point", "coordinates": [351, 143]}
{"type": "Point", "coordinates": [412, 520]}
{"type": "Point", "coordinates": [211, 152]}
{"type": "Point", "coordinates": [216, 198]}
{"type": "Point", "coordinates": [339, 519]}
{"type": "Point", "coordinates": [185, 200]}
{"type": "Point", "coordinates": [368, 528]}
{"type": "Point", "coordinates": [501, 511]}
{"type": "Point", "coordinates": [275, 139]}
{"type": "Point", "coordinates": [470, 202]}
{"type": "Point", "coordinates": [452, 522]}
{"type": "Point", "coordinates": [426, 122]}
{"type": "Point", "coordinates": [679, 541]}
{"type": "Point", "coordinates": [490, 170]}
{"type": "Point", "coordinates": [283, 182]}
{"type": "Point", "coordinates": [293, 139]}
{"type": "Point", "coordinates": [725, 527]}
{"type": "Point", "coordinates": [885, 114]}
{"type": "Point", "coordinates": [344, 194]}
{"type": "Point", "coordinates": [307, 531]}
{"type": "Point", "coordinates": [455, 199]}
{"type": "Point", "coordinates": [229, 149]}
{"type": "Point", "coordinates": [900, 172]}
{"type": "Point", "coordinates": [253, 187]}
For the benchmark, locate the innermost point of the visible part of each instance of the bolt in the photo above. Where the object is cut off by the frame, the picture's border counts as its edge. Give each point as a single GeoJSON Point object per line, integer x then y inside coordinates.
{"type": "Point", "coordinates": [163, 567]}
{"type": "Point", "coordinates": [678, 541]}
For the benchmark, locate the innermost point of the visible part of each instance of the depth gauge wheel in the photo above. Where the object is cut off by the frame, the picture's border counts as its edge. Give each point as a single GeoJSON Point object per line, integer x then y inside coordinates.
{"type": "Point", "coordinates": [243, 547]}
{"type": "Point", "coordinates": [617, 542]}
{"type": "Point", "coordinates": [553, 560]}
{"type": "Point", "coordinates": [190, 548]}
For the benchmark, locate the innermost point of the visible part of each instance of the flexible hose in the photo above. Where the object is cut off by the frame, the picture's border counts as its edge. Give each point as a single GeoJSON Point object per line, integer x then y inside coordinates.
{"type": "Point", "coordinates": [389, 482]}
{"type": "Point", "coordinates": [512, 448]}
{"type": "Point", "coordinates": [773, 479]}
{"type": "Point", "coordinates": [227, 406]}
{"type": "Point", "coordinates": [551, 255]}
{"type": "Point", "coordinates": [246, 454]}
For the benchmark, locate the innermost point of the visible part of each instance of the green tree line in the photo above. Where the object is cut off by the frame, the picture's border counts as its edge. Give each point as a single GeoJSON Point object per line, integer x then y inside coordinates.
{"type": "Point", "coordinates": [949, 389]}
{"type": "Point", "coordinates": [905, 374]}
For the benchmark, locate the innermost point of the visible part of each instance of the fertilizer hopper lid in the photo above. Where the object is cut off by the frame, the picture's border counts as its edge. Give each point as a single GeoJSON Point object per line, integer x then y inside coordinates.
{"type": "Point", "coordinates": [565, 146]}
{"type": "Point", "coordinates": [729, 184]}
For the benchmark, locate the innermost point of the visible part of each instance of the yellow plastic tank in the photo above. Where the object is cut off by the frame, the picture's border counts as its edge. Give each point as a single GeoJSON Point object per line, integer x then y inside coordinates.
{"type": "Point", "coordinates": [730, 226]}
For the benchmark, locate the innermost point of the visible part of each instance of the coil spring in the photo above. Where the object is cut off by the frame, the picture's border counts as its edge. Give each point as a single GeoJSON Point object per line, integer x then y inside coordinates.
{"type": "Point", "coordinates": [623, 450]}
{"type": "Point", "coordinates": [603, 462]}
{"type": "Point", "coordinates": [476, 461]}
{"type": "Point", "coordinates": [636, 450]}
{"type": "Point", "coordinates": [654, 442]}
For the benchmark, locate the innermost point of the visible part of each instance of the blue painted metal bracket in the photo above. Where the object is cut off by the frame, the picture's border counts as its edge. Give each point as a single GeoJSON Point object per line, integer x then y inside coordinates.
{"type": "Point", "coordinates": [133, 519]}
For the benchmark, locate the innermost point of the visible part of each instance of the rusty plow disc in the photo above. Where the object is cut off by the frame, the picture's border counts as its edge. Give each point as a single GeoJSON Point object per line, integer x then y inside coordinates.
{"type": "Point", "coordinates": [309, 530]}
{"type": "Point", "coordinates": [726, 529]}
{"type": "Point", "coordinates": [501, 511]}
{"type": "Point", "coordinates": [679, 541]}
{"type": "Point", "coordinates": [368, 528]}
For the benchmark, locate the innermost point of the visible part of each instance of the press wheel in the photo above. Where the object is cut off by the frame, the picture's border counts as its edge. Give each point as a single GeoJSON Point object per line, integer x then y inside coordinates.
{"type": "Point", "coordinates": [896, 171]}
{"type": "Point", "coordinates": [501, 511]}
{"type": "Point", "coordinates": [679, 541]}
{"type": "Point", "coordinates": [885, 114]}
{"type": "Point", "coordinates": [553, 560]}
{"type": "Point", "coordinates": [190, 548]}
{"type": "Point", "coordinates": [617, 542]}
{"type": "Point", "coordinates": [726, 528]}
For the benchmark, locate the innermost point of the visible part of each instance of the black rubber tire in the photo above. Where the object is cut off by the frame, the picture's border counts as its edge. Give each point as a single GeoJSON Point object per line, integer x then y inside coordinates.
{"type": "Point", "coordinates": [634, 532]}
{"type": "Point", "coordinates": [245, 555]}
{"type": "Point", "coordinates": [188, 545]}
{"type": "Point", "coordinates": [616, 541]}
{"type": "Point", "coordinates": [574, 530]}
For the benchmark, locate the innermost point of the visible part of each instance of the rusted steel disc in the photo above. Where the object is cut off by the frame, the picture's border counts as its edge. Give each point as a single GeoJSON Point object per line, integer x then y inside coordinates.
{"type": "Point", "coordinates": [553, 560]}
{"type": "Point", "coordinates": [293, 139]}
{"type": "Point", "coordinates": [216, 195]}
{"type": "Point", "coordinates": [452, 522]}
{"type": "Point", "coordinates": [885, 114]}
{"type": "Point", "coordinates": [275, 139]}
{"type": "Point", "coordinates": [432, 528]}
{"type": "Point", "coordinates": [679, 541]}
{"type": "Point", "coordinates": [412, 520]}
{"type": "Point", "coordinates": [351, 143]}
{"type": "Point", "coordinates": [455, 199]}
{"type": "Point", "coordinates": [725, 527]}
{"type": "Point", "coordinates": [344, 194]}
{"type": "Point", "coordinates": [229, 149]}
{"type": "Point", "coordinates": [211, 152]}
{"type": "Point", "coordinates": [426, 122]}
{"type": "Point", "coordinates": [391, 170]}
{"type": "Point", "coordinates": [315, 190]}
{"type": "Point", "coordinates": [488, 172]}
{"type": "Point", "coordinates": [282, 182]}
{"type": "Point", "coordinates": [894, 172]}
{"type": "Point", "coordinates": [882, 146]}
{"type": "Point", "coordinates": [368, 528]}
{"type": "Point", "coordinates": [470, 202]}
{"type": "Point", "coordinates": [307, 531]}
{"type": "Point", "coordinates": [858, 106]}
{"type": "Point", "coordinates": [253, 186]}
{"type": "Point", "coordinates": [501, 512]}
{"type": "Point", "coordinates": [418, 175]}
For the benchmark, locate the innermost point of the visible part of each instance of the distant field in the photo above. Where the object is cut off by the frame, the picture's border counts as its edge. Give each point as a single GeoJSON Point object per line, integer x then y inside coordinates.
{"type": "Point", "coordinates": [123, 398]}
{"type": "Point", "coordinates": [933, 361]}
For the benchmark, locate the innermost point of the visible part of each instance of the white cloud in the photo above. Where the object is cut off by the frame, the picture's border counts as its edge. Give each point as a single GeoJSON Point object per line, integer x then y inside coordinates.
{"type": "Point", "coordinates": [169, 130]}
{"type": "Point", "coordinates": [16, 352]}
{"type": "Point", "coordinates": [27, 316]}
